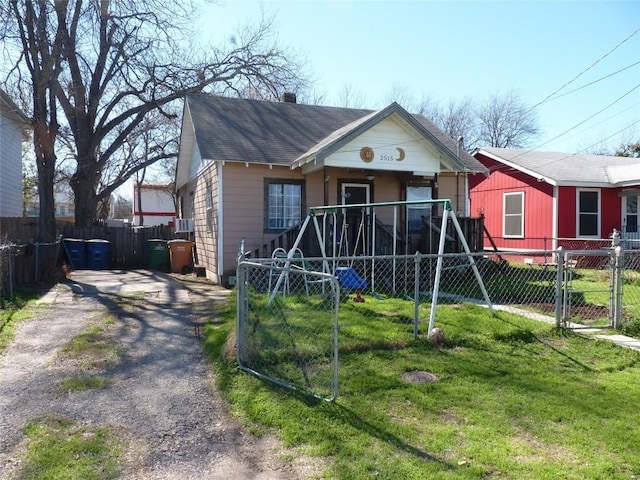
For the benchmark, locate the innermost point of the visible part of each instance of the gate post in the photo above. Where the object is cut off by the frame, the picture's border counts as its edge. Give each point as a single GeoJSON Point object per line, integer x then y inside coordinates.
{"type": "Point", "coordinates": [416, 294]}
{"type": "Point", "coordinates": [242, 307]}
{"type": "Point", "coordinates": [559, 289]}
{"type": "Point", "coordinates": [618, 264]}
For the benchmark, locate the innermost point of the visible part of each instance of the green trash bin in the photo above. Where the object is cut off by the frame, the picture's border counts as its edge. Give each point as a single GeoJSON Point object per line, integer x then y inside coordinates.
{"type": "Point", "coordinates": [158, 254]}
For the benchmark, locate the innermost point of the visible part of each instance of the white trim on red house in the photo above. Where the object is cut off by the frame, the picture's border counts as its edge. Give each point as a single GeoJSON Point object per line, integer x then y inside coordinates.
{"type": "Point", "coordinates": [554, 219]}
{"type": "Point", "coordinates": [522, 213]}
{"type": "Point", "coordinates": [515, 166]}
{"type": "Point", "coordinates": [599, 213]}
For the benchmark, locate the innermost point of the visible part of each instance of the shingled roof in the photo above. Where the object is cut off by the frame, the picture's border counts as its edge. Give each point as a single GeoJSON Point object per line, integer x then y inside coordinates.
{"type": "Point", "coordinates": [559, 168]}
{"type": "Point", "coordinates": [254, 131]}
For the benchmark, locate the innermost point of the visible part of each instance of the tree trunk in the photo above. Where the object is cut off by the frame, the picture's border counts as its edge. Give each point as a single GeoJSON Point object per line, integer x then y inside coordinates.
{"type": "Point", "coordinates": [84, 183]}
{"type": "Point", "coordinates": [47, 218]}
{"type": "Point", "coordinates": [86, 202]}
{"type": "Point", "coordinates": [46, 163]}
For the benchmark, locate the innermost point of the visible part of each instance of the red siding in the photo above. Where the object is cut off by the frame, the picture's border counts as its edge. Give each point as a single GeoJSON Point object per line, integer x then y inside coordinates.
{"type": "Point", "coordinates": [610, 212]}
{"type": "Point", "coordinates": [566, 212]}
{"type": "Point", "coordinates": [487, 198]}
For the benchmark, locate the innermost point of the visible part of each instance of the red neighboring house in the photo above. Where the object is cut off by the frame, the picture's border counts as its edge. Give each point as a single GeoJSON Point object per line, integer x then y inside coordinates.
{"type": "Point", "coordinates": [535, 200]}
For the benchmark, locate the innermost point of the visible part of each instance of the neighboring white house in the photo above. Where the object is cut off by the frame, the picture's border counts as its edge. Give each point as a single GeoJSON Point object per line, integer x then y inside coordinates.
{"type": "Point", "coordinates": [14, 127]}
{"type": "Point", "coordinates": [64, 206]}
{"type": "Point", "coordinates": [157, 206]}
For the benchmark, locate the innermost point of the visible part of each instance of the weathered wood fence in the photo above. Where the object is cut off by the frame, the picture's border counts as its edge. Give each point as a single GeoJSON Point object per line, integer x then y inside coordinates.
{"type": "Point", "coordinates": [24, 261]}
{"type": "Point", "coordinates": [128, 247]}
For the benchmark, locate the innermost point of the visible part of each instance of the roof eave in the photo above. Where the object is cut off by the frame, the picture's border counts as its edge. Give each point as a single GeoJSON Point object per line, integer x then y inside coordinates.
{"type": "Point", "coordinates": [537, 175]}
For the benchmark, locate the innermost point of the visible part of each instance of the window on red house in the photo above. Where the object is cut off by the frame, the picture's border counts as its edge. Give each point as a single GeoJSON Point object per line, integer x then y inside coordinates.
{"type": "Point", "coordinates": [513, 220]}
{"type": "Point", "coordinates": [588, 213]}
{"type": "Point", "coordinates": [631, 214]}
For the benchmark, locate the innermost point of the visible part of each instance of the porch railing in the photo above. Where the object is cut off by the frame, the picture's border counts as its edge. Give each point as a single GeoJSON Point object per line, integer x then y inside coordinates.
{"type": "Point", "coordinates": [427, 242]}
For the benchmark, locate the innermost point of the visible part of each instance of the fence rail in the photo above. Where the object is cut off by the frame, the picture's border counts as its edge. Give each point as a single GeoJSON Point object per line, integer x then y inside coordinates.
{"type": "Point", "coordinates": [386, 301]}
{"type": "Point", "coordinates": [27, 262]}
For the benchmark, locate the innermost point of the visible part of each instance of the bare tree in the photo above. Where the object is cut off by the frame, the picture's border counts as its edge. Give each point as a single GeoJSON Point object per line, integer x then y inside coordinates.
{"type": "Point", "coordinates": [504, 121]}
{"type": "Point", "coordinates": [352, 97]}
{"type": "Point", "coordinates": [628, 149]}
{"type": "Point", "coordinates": [103, 66]}
{"type": "Point", "coordinates": [456, 118]}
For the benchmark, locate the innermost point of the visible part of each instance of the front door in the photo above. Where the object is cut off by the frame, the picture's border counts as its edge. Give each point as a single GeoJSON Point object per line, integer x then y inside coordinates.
{"type": "Point", "coordinates": [355, 236]}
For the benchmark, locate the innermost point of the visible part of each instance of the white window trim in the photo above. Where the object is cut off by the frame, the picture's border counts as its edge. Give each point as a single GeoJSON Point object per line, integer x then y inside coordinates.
{"type": "Point", "coordinates": [504, 214]}
{"type": "Point", "coordinates": [599, 213]}
{"type": "Point", "coordinates": [209, 207]}
{"type": "Point", "coordinates": [625, 199]}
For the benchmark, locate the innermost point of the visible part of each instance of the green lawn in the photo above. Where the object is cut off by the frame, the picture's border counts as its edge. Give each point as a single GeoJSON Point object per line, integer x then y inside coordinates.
{"type": "Point", "coordinates": [534, 288]}
{"type": "Point", "coordinates": [515, 398]}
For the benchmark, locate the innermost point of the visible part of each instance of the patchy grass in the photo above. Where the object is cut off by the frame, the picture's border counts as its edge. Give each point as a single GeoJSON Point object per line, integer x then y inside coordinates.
{"type": "Point", "coordinates": [79, 384]}
{"type": "Point", "coordinates": [58, 448]}
{"type": "Point", "coordinates": [12, 312]}
{"type": "Point", "coordinates": [93, 347]}
{"type": "Point", "coordinates": [516, 399]}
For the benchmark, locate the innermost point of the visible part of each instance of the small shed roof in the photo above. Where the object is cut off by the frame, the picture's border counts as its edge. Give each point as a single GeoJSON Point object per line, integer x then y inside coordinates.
{"type": "Point", "coordinates": [569, 169]}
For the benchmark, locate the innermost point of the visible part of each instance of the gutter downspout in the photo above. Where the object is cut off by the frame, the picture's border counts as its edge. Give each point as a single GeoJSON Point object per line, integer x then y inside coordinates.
{"type": "Point", "coordinates": [220, 240]}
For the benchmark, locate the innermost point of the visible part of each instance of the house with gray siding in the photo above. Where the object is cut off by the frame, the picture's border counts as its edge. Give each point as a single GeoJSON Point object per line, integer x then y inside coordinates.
{"type": "Point", "coordinates": [14, 126]}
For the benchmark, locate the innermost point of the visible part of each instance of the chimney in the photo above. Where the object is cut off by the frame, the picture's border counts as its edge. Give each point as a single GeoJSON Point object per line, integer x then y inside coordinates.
{"type": "Point", "coordinates": [288, 97]}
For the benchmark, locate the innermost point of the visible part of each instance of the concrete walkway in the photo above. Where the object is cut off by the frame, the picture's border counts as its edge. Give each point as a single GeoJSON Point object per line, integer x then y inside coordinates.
{"type": "Point", "coordinates": [621, 340]}
{"type": "Point", "coordinates": [91, 283]}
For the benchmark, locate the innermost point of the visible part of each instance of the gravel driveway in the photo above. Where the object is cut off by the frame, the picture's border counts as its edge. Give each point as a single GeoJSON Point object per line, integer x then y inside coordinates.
{"type": "Point", "coordinates": [161, 394]}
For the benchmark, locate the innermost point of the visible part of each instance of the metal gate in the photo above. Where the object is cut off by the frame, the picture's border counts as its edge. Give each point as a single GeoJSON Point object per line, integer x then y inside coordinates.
{"type": "Point", "coordinates": [583, 301]}
{"type": "Point", "coordinates": [287, 325]}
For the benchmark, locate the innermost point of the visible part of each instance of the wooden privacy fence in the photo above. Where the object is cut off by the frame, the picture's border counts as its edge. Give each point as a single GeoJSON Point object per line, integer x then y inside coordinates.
{"type": "Point", "coordinates": [24, 262]}
{"type": "Point", "coordinates": [128, 246]}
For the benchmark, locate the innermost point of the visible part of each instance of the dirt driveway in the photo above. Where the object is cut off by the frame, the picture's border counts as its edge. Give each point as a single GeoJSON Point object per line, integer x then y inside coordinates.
{"type": "Point", "coordinates": [160, 393]}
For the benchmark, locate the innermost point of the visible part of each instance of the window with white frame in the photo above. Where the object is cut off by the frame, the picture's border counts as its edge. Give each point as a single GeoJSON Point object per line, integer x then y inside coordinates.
{"type": "Point", "coordinates": [283, 203]}
{"type": "Point", "coordinates": [631, 213]}
{"type": "Point", "coordinates": [209, 208]}
{"type": "Point", "coordinates": [513, 216]}
{"type": "Point", "coordinates": [416, 213]}
{"type": "Point", "coordinates": [588, 203]}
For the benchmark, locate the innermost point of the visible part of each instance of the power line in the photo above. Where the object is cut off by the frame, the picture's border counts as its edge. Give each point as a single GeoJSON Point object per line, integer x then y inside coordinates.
{"type": "Point", "coordinates": [588, 118]}
{"type": "Point", "coordinates": [588, 84]}
{"type": "Point", "coordinates": [610, 136]}
{"type": "Point", "coordinates": [586, 69]}
{"type": "Point", "coordinates": [501, 167]}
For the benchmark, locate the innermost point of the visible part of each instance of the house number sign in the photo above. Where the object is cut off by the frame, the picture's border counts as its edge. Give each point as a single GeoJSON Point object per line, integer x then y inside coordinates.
{"type": "Point", "coordinates": [367, 155]}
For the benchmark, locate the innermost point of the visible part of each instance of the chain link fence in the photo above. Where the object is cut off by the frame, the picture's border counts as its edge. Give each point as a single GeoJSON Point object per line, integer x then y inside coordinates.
{"type": "Point", "coordinates": [26, 264]}
{"type": "Point", "coordinates": [287, 326]}
{"type": "Point", "coordinates": [290, 310]}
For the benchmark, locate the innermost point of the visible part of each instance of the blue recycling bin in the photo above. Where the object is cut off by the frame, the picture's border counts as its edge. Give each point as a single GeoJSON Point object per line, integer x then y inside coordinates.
{"type": "Point", "coordinates": [97, 254]}
{"type": "Point", "coordinates": [76, 252]}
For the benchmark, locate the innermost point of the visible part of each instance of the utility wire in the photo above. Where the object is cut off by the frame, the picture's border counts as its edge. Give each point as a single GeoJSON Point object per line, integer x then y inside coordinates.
{"type": "Point", "coordinates": [501, 167]}
{"type": "Point", "coordinates": [586, 69]}
{"type": "Point", "coordinates": [588, 84]}
{"type": "Point", "coordinates": [589, 118]}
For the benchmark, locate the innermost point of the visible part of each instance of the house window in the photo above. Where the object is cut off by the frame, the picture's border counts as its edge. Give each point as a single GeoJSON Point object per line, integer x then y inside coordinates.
{"type": "Point", "coordinates": [209, 208]}
{"type": "Point", "coordinates": [513, 219]}
{"type": "Point", "coordinates": [631, 214]}
{"type": "Point", "coordinates": [588, 213]}
{"type": "Point", "coordinates": [415, 213]}
{"type": "Point", "coordinates": [284, 203]}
